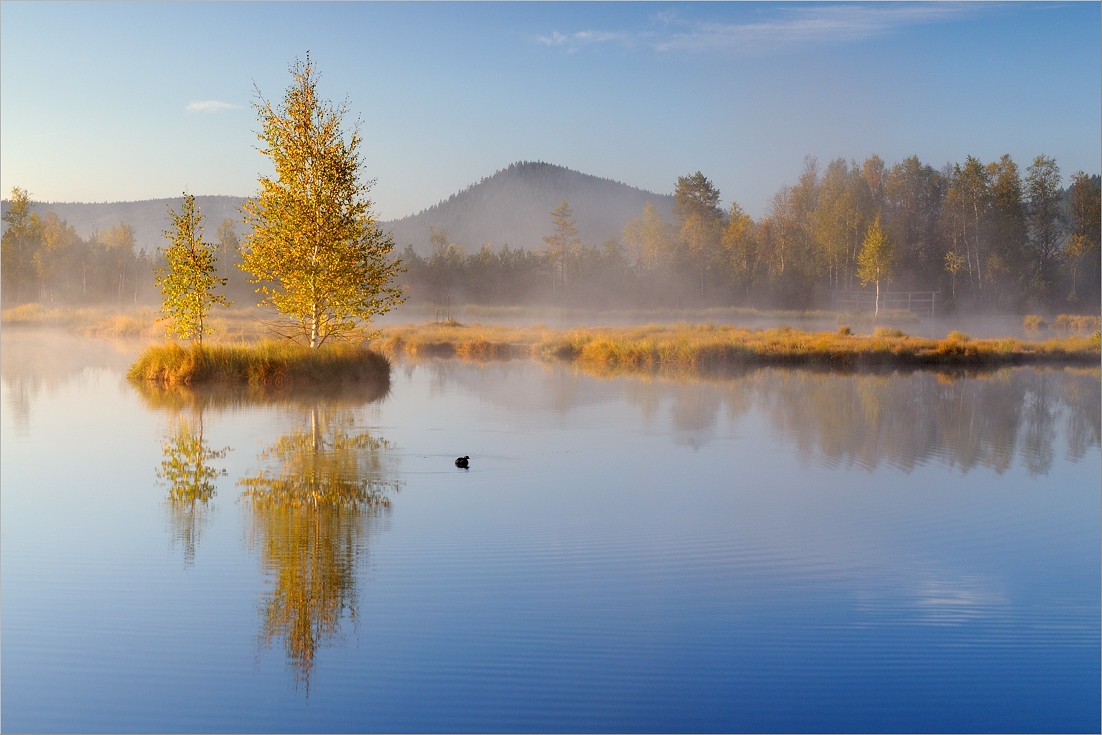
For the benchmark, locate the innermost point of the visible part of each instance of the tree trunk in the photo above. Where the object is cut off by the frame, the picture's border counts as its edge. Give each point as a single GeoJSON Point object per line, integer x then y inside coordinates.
{"type": "Point", "coordinates": [314, 328]}
{"type": "Point", "coordinates": [876, 309]}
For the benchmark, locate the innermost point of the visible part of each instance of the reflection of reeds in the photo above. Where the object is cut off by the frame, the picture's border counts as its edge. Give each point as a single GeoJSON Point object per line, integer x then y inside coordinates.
{"type": "Point", "coordinates": [687, 347]}
{"type": "Point", "coordinates": [216, 396]}
{"type": "Point", "coordinates": [272, 366]}
{"type": "Point", "coordinates": [474, 342]}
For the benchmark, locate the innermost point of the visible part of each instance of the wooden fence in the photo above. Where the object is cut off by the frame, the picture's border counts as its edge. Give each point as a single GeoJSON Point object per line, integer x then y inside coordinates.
{"type": "Point", "coordinates": [919, 303]}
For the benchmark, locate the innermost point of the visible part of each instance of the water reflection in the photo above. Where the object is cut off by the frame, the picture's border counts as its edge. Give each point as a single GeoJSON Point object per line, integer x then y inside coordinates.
{"type": "Point", "coordinates": [187, 471]}
{"type": "Point", "coordinates": [312, 506]}
{"type": "Point", "coordinates": [907, 419]}
{"type": "Point", "coordinates": [904, 419]}
{"type": "Point", "coordinates": [223, 397]}
{"type": "Point", "coordinates": [34, 363]}
{"type": "Point", "coordinates": [312, 503]}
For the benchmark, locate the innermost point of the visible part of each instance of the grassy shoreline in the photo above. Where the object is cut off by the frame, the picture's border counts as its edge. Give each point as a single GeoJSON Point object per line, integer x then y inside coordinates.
{"type": "Point", "coordinates": [672, 348]}
{"type": "Point", "coordinates": [711, 347]}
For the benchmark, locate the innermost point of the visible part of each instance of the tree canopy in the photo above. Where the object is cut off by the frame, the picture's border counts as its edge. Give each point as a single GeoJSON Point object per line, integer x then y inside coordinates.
{"type": "Point", "coordinates": [188, 280]}
{"type": "Point", "coordinates": [315, 249]}
{"type": "Point", "coordinates": [876, 262]}
{"type": "Point", "coordinates": [563, 240]}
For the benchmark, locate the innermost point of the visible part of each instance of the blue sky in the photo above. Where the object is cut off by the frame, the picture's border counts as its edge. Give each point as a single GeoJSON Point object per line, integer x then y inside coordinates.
{"type": "Point", "coordinates": [123, 101]}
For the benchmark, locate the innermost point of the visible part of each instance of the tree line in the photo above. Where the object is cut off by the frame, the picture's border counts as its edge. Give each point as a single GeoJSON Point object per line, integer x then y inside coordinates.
{"type": "Point", "coordinates": [985, 236]}
{"type": "Point", "coordinates": [43, 259]}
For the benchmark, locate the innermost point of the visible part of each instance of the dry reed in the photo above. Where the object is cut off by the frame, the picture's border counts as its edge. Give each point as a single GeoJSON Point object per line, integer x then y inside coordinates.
{"type": "Point", "coordinates": [270, 364]}
{"type": "Point", "coordinates": [706, 347]}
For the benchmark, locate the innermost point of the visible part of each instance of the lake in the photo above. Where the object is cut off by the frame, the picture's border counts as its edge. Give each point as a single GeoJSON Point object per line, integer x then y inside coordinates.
{"type": "Point", "coordinates": [780, 550]}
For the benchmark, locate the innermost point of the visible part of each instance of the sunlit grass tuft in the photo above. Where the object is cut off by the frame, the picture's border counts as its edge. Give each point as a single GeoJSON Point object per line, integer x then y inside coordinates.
{"type": "Point", "coordinates": [704, 347]}
{"type": "Point", "coordinates": [269, 364]}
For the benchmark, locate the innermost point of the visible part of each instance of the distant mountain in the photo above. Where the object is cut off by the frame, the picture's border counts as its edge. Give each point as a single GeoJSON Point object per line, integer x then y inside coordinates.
{"type": "Point", "coordinates": [512, 207]}
{"type": "Point", "coordinates": [149, 218]}
{"type": "Point", "coordinates": [509, 207]}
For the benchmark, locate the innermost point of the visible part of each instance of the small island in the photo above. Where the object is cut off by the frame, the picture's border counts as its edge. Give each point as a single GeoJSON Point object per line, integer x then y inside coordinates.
{"type": "Point", "coordinates": [315, 253]}
{"type": "Point", "coordinates": [266, 364]}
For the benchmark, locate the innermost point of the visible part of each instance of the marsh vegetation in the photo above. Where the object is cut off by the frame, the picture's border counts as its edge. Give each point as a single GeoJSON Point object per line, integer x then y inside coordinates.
{"type": "Point", "coordinates": [269, 364]}
{"type": "Point", "coordinates": [710, 347]}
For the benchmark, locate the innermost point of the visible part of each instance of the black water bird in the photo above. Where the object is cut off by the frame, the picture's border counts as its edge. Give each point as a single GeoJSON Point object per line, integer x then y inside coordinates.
{"type": "Point", "coordinates": [462, 462]}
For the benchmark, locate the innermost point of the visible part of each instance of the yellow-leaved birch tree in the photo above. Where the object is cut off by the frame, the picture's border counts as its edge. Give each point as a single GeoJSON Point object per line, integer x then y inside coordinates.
{"type": "Point", "coordinates": [187, 282]}
{"type": "Point", "coordinates": [876, 262]}
{"type": "Point", "coordinates": [315, 250]}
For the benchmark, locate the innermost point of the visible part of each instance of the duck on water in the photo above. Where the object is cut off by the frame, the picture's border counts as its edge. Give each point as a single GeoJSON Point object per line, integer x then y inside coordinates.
{"type": "Point", "coordinates": [463, 462]}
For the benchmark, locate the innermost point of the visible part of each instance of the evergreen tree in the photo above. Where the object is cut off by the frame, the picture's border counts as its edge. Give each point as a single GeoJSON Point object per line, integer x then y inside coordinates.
{"type": "Point", "coordinates": [1085, 225]}
{"type": "Point", "coordinates": [696, 206]}
{"type": "Point", "coordinates": [1045, 222]}
{"type": "Point", "coordinates": [562, 241]}
{"type": "Point", "coordinates": [1006, 253]}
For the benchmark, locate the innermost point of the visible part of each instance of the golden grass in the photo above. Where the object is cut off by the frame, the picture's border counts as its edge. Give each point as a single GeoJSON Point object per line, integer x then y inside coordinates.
{"type": "Point", "coordinates": [472, 342]}
{"type": "Point", "coordinates": [1076, 323]}
{"type": "Point", "coordinates": [135, 322]}
{"type": "Point", "coordinates": [709, 347]}
{"type": "Point", "coordinates": [91, 321]}
{"type": "Point", "coordinates": [271, 365]}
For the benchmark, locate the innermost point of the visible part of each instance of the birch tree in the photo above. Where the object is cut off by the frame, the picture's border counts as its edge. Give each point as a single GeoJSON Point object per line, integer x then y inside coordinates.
{"type": "Point", "coordinates": [316, 251]}
{"type": "Point", "coordinates": [876, 262]}
{"type": "Point", "coordinates": [187, 282]}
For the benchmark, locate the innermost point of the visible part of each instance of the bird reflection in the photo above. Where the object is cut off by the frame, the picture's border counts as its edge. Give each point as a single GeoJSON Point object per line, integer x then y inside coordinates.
{"type": "Point", "coordinates": [311, 507]}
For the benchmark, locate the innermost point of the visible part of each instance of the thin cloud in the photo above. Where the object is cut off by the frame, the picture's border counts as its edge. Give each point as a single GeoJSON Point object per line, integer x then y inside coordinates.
{"type": "Point", "coordinates": [798, 26]}
{"type": "Point", "coordinates": [832, 24]}
{"type": "Point", "coordinates": [211, 106]}
{"type": "Point", "coordinates": [582, 38]}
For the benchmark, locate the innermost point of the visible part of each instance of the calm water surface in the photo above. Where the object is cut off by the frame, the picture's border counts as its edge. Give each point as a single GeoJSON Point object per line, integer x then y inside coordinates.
{"type": "Point", "coordinates": [777, 551]}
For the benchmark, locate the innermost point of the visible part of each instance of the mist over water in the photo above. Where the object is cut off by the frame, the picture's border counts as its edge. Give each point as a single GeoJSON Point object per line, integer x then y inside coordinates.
{"type": "Point", "coordinates": [777, 550]}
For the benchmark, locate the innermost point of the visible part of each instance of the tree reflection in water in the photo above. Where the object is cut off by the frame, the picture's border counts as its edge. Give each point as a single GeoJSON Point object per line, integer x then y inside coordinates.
{"type": "Point", "coordinates": [190, 479]}
{"type": "Point", "coordinates": [311, 510]}
{"type": "Point", "coordinates": [904, 419]}
{"type": "Point", "coordinates": [907, 419]}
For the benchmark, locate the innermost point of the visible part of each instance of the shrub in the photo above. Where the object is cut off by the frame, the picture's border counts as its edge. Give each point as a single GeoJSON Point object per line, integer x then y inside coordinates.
{"type": "Point", "coordinates": [845, 330]}
{"type": "Point", "coordinates": [956, 336]}
{"type": "Point", "coordinates": [1076, 323]}
{"type": "Point", "coordinates": [1033, 323]}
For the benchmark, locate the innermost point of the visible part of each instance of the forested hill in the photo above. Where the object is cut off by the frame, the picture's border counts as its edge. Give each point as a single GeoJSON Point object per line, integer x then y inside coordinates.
{"type": "Point", "coordinates": [149, 218]}
{"type": "Point", "coordinates": [511, 207]}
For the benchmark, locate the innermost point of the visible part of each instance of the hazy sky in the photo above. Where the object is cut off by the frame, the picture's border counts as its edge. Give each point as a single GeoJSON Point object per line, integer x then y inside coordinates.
{"type": "Point", "coordinates": [123, 101]}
